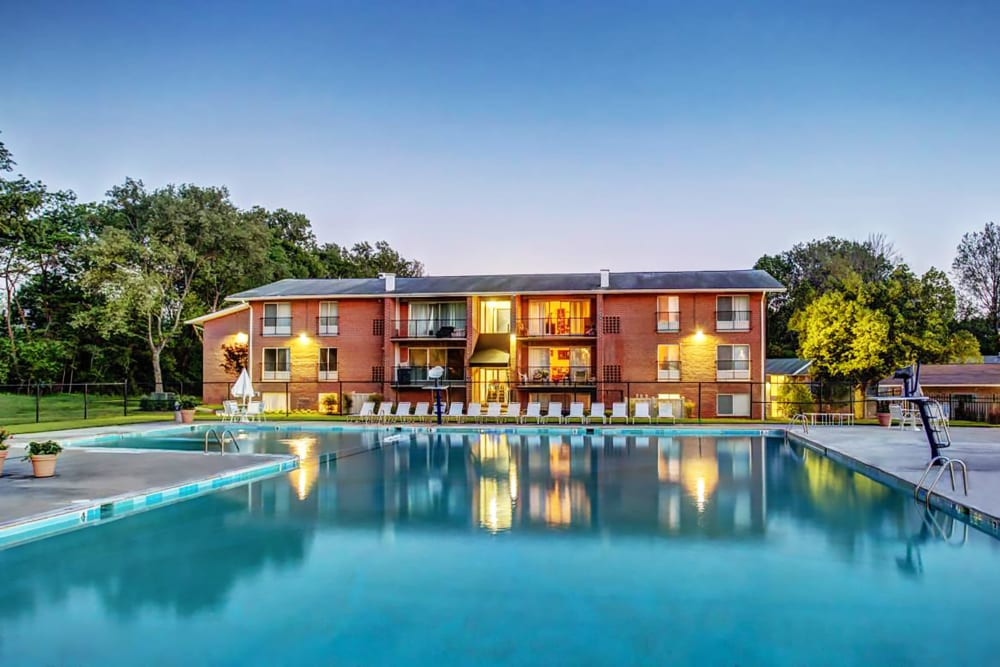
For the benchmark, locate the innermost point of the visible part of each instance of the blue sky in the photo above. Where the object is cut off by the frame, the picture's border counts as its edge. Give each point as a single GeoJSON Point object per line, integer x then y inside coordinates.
{"type": "Point", "coordinates": [544, 136]}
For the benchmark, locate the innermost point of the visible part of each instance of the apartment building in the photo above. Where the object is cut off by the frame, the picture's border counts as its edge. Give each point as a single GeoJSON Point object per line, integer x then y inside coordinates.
{"type": "Point", "coordinates": [693, 337]}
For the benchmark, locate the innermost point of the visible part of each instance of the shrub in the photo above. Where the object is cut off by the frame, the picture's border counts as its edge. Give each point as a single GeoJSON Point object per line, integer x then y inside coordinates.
{"type": "Point", "coordinates": [189, 402]}
{"type": "Point", "coordinates": [46, 448]}
{"type": "Point", "coordinates": [4, 436]}
{"type": "Point", "coordinates": [162, 402]}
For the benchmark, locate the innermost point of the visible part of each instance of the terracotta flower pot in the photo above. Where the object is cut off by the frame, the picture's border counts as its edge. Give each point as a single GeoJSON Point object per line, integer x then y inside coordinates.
{"type": "Point", "coordinates": [3, 457]}
{"type": "Point", "coordinates": [44, 464]}
{"type": "Point", "coordinates": [884, 418]}
{"type": "Point", "coordinates": [187, 416]}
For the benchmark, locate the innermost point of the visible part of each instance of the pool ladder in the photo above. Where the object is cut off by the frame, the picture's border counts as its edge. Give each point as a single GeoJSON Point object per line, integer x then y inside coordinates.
{"type": "Point", "coordinates": [946, 464]}
{"type": "Point", "coordinates": [221, 439]}
{"type": "Point", "coordinates": [799, 419]}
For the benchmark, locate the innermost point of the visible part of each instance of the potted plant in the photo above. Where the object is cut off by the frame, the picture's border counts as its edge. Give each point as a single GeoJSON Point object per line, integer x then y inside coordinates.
{"type": "Point", "coordinates": [882, 413]}
{"type": "Point", "coordinates": [43, 457]}
{"type": "Point", "coordinates": [4, 436]}
{"type": "Point", "coordinates": [187, 405]}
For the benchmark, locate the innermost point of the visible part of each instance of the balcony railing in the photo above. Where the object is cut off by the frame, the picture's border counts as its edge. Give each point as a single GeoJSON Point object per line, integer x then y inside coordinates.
{"type": "Point", "coordinates": [327, 375]}
{"type": "Point", "coordinates": [668, 320]}
{"type": "Point", "coordinates": [732, 369]}
{"type": "Point", "coordinates": [732, 320]}
{"type": "Point", "coordinates": [572, 375]}
{"type": "Point", "coordinates": [565, 326]}
{"type": "Point", "coordinates": [275, 375]}
{"type": "Point", "coordinates": [428, 328]}
{"type": "Point", "coordinates": [409, 376]}
{"type": "Point", "coordinates": [328, 325]}
{"type": "Point", "coordinates": [668, 370]}
{"type": "Point", "coordinates": [276, 326]}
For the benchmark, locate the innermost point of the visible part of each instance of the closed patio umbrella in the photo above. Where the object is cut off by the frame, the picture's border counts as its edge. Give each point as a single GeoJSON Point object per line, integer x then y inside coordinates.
{"type": "Point", "coordinates": [243, 387]}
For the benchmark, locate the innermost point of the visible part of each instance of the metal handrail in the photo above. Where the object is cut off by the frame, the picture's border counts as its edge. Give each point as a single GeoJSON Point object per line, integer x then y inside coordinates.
{"type": "Point", "coordinates": [946, 464]}
{"type": "Point", "coordinates": [800, 418]}
{"type": "Point", "coordinates": [221, 439]}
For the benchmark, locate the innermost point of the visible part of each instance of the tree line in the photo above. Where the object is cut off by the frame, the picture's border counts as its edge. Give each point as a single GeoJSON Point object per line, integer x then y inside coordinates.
{"type": "Point", "coordinates": [859, 312]}
{"type": "Point", "coordinates": [99, 291]}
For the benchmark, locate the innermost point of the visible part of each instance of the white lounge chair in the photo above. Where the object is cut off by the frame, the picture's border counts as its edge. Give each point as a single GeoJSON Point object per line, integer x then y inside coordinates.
{"type": "Point", "coordinates": [474, 412]}
{"type": "Point", "coordinates": [421, 411]}
{"type": "Point", "coordinates": [367, 411]}
{"type": "Point", "coordinates": [455, 411]}
{"type": "Point", "coordinates": [664, 412]}
{"type": "Point", "coordinates": [597, 412]}
{"type": "Point", "coordinates": [402, 412]}
{"type": "Point", "coordinates": [255, 412]}
{"type": "Point", "coordinates": [902, 414]}
{"type": "Point", "coordinates": [575, 412]}
{"type": "Point", "coordinates": [618, 411]}
{"type": "Point", "coordinates": [641, 412]}
{"type": "Point", "coordinates": [493, 411]}
{"type": "Point", "coordinates": [384, 411]}
{"type": "Point", "coordinates": [534, 411]}
{"type": "Point", "coordinates": [513, 412]}
{"type": "Point", "coordinates": [555, 412]}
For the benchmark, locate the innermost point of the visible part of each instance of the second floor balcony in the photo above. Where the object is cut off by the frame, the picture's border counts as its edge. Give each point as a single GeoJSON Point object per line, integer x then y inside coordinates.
{"type": "Point", "coordinates": [732, 369]}
{"type": "Point", "coordinates": [557, 375]}
{"type": "Point", "coordinates": [563, 326]}
{"type": "Point", "coordinates": [416, 376]}
{"type": "Point", "coordinates": [444, 329]}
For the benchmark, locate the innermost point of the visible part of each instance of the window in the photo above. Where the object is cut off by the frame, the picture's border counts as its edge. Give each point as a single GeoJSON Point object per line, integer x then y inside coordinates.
{"type": "Point", "coordinates": [435, 320]}
{"type": "Point", "coordinates": [329, 318]}
{"type": "Point", "coordinates": [327, 363]}
{"type": "Point", "coordinates": [494, 317]}
{"type": "Point", "coordinates": [668, 314]}
{"type": "Point", "coordinates": [732, 313]}
{"type": "Point", "coordinates": [732, 405]}
{"type": "Point", "coordinates": [566, 365]}
{"type": "Point", "coordinates": [451, 359]}
{"type": "Point", "coordinates": [277, 319]}
{"type": "Point", "coordinates": [277, 363]}
{"type": "Point", "coordinates": [560, 318]}
{"type": "Point", "coordinates": [668, 362]}
{"type": "Point", "coordinates": [732, 362]}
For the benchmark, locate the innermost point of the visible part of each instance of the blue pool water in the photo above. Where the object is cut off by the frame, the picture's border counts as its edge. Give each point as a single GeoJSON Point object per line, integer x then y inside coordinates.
{"type": "Point", "coordinates": [521, 550]}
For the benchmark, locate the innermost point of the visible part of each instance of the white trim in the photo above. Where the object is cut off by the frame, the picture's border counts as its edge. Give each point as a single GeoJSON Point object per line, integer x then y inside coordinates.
{"type": "Point", "coordinates": [219, 313]}
{"type": "Point", "coordinates": [439, 295]}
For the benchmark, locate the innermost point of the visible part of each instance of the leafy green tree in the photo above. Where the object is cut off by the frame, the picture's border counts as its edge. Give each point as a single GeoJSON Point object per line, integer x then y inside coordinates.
{"type": "Point", "coordinates": [364, 260]}
{"type": "Point", "coordinates": [963, 348]}
{"type": "Point", "coordinates": [977, 271]}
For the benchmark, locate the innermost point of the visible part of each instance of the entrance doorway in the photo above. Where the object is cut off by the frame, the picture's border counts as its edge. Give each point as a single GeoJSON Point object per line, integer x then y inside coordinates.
{"type": "Point", "coordinates": [490, 385]}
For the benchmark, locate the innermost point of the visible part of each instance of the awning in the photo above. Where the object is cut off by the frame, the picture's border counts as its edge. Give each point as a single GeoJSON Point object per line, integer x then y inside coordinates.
{"type": "Point", "coordinates": [490, 357]}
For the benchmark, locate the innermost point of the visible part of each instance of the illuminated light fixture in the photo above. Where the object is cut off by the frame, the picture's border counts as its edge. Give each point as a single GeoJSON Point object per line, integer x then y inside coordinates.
{"type": "Point", "coordinates": [242, 338]}
{"type": "Point", "coordinates": [699, 335]}
{"type": "Point", "coordinates": [303, 337]}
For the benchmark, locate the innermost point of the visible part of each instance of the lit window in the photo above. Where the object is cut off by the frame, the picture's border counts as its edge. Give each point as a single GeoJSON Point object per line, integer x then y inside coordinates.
{"type": "Point", "coordinates": [668, 362]}
{"type": "Point", "coordinates": [329, 318]}
{"type": "Point", "coordinates": [328, 364]}
{"type": "Point", "coordinates": [668, 313]}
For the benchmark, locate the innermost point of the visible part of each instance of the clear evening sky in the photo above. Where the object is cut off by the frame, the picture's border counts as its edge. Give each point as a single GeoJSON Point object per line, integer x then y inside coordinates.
{"type": "Point", "coordinates": [519, 137]}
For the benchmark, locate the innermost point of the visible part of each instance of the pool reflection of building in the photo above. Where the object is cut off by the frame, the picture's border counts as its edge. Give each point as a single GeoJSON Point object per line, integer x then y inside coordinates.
{"type": "Point", "coordinates": [497, 482]}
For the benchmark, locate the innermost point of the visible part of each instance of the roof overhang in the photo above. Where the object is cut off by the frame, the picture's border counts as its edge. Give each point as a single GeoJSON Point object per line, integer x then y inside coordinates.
{"type": "Point", "coordinates": [219, 313]}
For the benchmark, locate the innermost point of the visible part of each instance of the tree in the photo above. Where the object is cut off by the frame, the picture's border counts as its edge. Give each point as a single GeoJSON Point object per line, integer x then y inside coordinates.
{"type": "Point", "coordinates": [977, 271]}
{"type": "Point", "coordinates": [963, 348]}
{"type": "Point", "coordinates": [364, 260]}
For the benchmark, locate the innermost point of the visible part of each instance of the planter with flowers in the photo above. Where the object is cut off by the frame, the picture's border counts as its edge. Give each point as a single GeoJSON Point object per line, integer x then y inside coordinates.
{"type": "Point", "coordinates": [43, 457]}
{"type": "Point", "coordinates": [186, 406]}
{"type": "Point", "coordinates": [4, 436]}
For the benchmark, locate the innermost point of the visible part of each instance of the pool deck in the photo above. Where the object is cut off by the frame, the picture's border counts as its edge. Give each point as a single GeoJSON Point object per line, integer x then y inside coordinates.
{"type": "Point", "coordinates": [899, 457]}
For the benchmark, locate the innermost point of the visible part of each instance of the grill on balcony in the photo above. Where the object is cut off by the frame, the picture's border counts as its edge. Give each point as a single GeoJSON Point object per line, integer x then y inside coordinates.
{"type": "Point", "coordinates": [428, 329]}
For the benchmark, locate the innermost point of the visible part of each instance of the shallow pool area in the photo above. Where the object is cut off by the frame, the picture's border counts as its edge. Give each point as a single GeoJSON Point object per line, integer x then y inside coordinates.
{"type": "Point", "coordinates": [459, 547]}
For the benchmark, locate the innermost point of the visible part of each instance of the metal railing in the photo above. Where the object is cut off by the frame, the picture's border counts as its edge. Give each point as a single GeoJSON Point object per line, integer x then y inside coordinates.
{"type": "Point", "coordinates": [561, 326]}
{"type": "Point", "coordinates": [732, 320]}
{"type": "Point", "coordinates": [408, 376]}
{"type": "Point", "coordinates": [328, 325]}
{"type": "Point", "coordinates": [668, 370]}
{"type": "Point", "coordinates": [559, 375]}
{"type": "Point", "coordinates": [430, 328]}
{"type": "Point", "coordinates": [275, 326]}
{"type": "Point", "coordinates": [668, 320]}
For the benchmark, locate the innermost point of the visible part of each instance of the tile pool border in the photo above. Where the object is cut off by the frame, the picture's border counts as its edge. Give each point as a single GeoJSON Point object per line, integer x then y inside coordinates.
{"type": "Point", "coordinates": [979, 519]}
{"type": "Point", "coordinates": [97, 512]}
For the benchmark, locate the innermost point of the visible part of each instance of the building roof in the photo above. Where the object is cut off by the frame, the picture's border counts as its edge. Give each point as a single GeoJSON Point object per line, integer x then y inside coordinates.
{"type": "Point", "coordinates": [991, 358]}
{"type": "Point", "coordinates": [954, 375]}
{"type": "Point", "coordinates": [790, 366]}
{"type": "Point", "coordinates": [229, 310]}
{"type": "Point", "coordinates": [537, 283]}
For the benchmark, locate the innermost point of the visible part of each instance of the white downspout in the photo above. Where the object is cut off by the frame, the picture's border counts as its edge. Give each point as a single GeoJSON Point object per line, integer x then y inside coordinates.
{"type": "Point", "coordinates": [763, 358]}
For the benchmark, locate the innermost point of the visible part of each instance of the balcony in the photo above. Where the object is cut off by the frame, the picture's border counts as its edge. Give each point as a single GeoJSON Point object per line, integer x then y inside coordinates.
{"type": "Point", "coordinates": [327, 375]}
{"type": "Point", "coordinates": [547, 327]}
{"type": "Point", "coordinates": [438, 329]}
{"type": "Point", "coordinates": [574, 376]}
{"type": "Point", "coordinates": [328, 325]}
{"type": "Point", "coordinates": [732, 320]}
{"type": "Point", "coordinates": [416, 376]}
{"type": "Point", "coordinates": [732, 369]}
{"type": "Point", "coordinates": [668, 321]}
{"type": "Point", "coordinates": [276, 326]}
{"type": "Point", "coordinates": [668, 371]}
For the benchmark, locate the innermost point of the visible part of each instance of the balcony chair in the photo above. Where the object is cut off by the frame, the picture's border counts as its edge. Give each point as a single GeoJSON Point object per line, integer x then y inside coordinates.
{"type": "Point", "coordinates": [597, 412]}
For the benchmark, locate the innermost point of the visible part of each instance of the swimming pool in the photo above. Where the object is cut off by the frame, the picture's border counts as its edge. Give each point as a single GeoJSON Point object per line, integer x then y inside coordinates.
{"type": "Point", "coordinates": [459, 548]}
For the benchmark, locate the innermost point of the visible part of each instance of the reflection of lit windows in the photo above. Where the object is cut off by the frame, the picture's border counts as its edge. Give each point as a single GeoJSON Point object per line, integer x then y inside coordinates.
{"type": "Point", "coordinates": [495, 504]}
{"type": "Point", "coordinates": [304, 477]}
{"type": "Point", "coordinates": [559, 460]}
{"type": "Point", "coordinates": [699, 470]}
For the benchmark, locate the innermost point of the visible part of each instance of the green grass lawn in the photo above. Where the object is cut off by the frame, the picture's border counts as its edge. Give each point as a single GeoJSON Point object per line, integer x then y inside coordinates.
{"type": "Point", "coordinates": [21, 408]}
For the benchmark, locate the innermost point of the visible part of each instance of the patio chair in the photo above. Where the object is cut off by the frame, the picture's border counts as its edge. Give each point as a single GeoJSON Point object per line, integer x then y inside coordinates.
{"type": "Point", "coordinates": [618, 411]}
{"type": "Point", "coordinates": [555, 412]}
{"type": "Point", "coordinates": [493, 411]}
{"type": "Point", "coordinates": [454, 411]}
{"type": "Point", "coordinates": [474, 412]}
{"type": "Point", "coordinates": [421, 411]}
{"type": "Point", "coordinates": [367, 411]}
{"type": "Point", "coordinates": [384, 411]}
{"type": "Point", "coordinates": [641, 412]}
{"type": "Point", "coordinates": [897, 412]}
{"type": "Point", "coordinates": [513, 412]}
{"type": "Point", "coordinates": [402, 412]}
{"type": "Point", "coordinates": [597, 412]}
{"type": "Point", "coordinates": [575, 412]}
{"type": "Point", "coordinates": [664, 412]}
{"type": "Point", "coordinates": [255, 412]}
{"type": "Point", "coordinates": [230, 411]}
{"type": "Point", "coordinates": [534, 411]}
